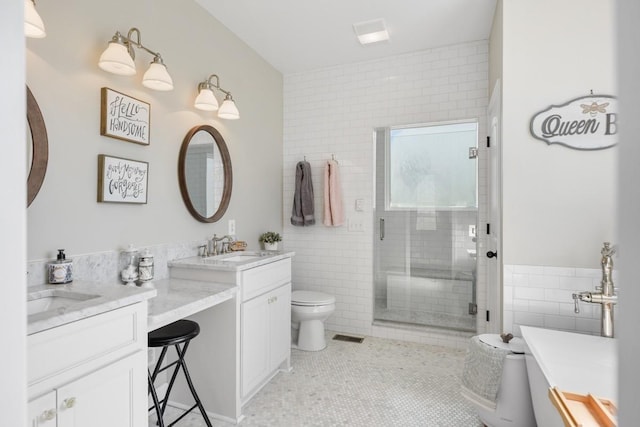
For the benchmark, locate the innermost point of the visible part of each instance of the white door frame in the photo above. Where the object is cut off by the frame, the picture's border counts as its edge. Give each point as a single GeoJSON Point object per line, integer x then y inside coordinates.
{"type": "Point", "coordinates": [494, 266]}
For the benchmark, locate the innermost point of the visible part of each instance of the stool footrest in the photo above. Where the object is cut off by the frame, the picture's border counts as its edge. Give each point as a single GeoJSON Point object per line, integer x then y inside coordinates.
{"type": "Point", "coordinates": [167, 367]}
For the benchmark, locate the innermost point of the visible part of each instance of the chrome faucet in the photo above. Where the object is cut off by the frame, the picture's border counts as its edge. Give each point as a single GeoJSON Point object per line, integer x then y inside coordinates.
{"type": "Point", "coordinates": [224, 248]}
{"type": "Point", "coordinates": [605, 294]}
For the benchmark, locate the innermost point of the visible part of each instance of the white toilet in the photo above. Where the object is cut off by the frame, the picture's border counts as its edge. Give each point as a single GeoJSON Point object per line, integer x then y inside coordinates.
{"type": "Point", "coordinates": [309, 310]}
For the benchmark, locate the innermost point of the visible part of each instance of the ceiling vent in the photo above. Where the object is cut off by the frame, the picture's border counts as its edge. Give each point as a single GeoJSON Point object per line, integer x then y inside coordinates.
{"type": "Point", "coordinates": [371, 31]}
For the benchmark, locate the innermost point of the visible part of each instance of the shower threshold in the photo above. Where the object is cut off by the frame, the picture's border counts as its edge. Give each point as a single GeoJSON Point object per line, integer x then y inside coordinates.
{"type": "Point", "coordinates": [463, 323]}
{"type": "Point", "coordinates": [417, 327]}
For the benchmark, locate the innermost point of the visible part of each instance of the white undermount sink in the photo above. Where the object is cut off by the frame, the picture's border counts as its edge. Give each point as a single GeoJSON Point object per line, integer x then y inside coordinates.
{"type": "Point", "coordinates": [236, 257]}
{"type": "Point", "coordinates": [53, 299]}
{"type": "Point", "coordinates": [240, 258]}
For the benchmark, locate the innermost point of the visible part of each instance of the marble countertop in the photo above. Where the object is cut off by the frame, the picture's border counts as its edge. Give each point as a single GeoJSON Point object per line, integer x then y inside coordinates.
{"type": "Point", "coordinates": [178, 298]}
{"type": "Point", "coordinates": [100, 298]}
{"type": "Point", "coordinates": [232, 261]}
{"type": "Point", "coordinates": [574, 362]}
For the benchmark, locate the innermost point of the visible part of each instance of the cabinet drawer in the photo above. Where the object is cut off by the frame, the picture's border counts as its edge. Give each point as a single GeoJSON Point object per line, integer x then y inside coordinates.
{"type": "Point", "coordinates": [262, 279]}
{"type": "Point", "coordinates": [107, 335]}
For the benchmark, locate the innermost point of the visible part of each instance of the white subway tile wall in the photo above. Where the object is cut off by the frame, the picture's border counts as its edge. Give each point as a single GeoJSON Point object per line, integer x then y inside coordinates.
{"type": "Point", "coordinates": [332, 112]}
{"type": "Point", "coordinates": [541, 296]}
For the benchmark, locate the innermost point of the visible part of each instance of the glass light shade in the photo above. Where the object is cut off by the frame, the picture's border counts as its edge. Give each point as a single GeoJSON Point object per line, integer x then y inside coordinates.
{"type": "Point", "coordinates": [116, 59]}
{"type": "Point", "coordinates": [206, 100]}
{"type": "Point", "coordinates": [157, 77]}
{"type": "Point", "coordinates": [33, 25]}
{"type": "Point", "coordinates": [228, 110]}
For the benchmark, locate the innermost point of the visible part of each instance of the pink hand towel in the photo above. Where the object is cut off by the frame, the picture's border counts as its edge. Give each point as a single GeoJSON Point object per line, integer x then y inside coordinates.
{"type": "Point", "coordinates": [333, 208]}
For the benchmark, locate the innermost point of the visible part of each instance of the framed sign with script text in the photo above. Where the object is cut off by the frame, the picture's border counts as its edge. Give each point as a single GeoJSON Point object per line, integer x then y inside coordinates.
{"type": "Point", "coordinates": [585, 123]}
{"type": "Point", "coordinates": [122, 180]}
{"type": "Point", "coordinates": [124, 117]}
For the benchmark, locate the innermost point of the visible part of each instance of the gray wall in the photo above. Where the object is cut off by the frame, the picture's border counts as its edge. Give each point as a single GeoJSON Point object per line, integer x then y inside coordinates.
{"type": "Point", "coordinates": [63, 74]}
{"type": "Point", "coordinates": [559, 204]}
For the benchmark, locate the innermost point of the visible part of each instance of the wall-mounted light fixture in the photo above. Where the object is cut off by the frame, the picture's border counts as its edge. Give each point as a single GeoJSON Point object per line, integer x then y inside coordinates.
{"type": "Point", "coordinates": [206, 100]}
{"type": "Point", "coordinates": [33, 25]}
{"type": "Point", "coordinates": [119, 55]}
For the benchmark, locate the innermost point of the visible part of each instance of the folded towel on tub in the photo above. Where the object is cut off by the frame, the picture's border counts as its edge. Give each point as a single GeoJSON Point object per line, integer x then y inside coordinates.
{"type": "Point", "coordinates": [302, 212]}
{"type": "Point", "coordinates": [482, 373]}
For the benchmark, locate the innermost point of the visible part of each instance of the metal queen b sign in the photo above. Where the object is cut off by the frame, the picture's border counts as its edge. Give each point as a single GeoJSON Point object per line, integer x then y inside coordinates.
{"type": "Point", "coordinates": [586, 123]}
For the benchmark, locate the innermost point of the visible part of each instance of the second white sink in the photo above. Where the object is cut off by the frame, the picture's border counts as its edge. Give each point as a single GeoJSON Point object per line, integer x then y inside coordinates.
{"type": "Point", "coordinates": [240, 258]}
{"type": "Point", "coordinates": [53, 299]}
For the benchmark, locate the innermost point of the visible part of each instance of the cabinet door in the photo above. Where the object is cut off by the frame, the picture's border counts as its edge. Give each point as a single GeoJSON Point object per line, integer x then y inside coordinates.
{"type": "Point", "coordinates": [254, 342]}
{"type": "Point", "coordinates": [279, 325]}
{"type": "Point", "coordinates": [115, 395]}
{"type": "Point", "coordinates": [42, 411]}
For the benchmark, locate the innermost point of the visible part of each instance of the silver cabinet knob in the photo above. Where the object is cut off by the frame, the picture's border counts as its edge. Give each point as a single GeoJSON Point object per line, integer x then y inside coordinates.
{"type": "Point", "coordinates": [48, 415]}
{"type": "Point", "coordinates": [68, 403]}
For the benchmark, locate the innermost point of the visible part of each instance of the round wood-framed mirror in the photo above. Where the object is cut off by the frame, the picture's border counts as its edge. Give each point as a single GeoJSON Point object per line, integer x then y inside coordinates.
{"type": "Point", "coordinates": [204, 173]}
{"type": "Point", "coordinates": [38, 147]}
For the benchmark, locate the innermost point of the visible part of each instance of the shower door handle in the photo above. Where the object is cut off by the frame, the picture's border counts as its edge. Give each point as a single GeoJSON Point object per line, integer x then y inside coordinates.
{"type": "Point", "coordinates": [491, 254]}
{"type": "Point", "coordinates": [381, 228]}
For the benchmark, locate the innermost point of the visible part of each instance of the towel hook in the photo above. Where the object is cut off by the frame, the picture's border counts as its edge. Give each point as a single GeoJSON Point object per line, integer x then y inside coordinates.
{"type": "Point", "coordinates": [333, 157]}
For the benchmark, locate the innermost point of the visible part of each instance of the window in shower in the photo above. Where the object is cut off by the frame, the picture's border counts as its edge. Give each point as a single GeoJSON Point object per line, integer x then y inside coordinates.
{"type": "Point", "coordinates": [429, 167]}
{"type": "Point", "coordinates": [426, 208]}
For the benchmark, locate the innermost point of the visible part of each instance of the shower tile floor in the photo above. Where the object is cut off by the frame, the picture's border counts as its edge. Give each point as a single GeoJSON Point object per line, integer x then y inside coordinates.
{"type": "Point", "coordinates": [380, 382]}
{"type": "Point", "coordinates": [462, 322]}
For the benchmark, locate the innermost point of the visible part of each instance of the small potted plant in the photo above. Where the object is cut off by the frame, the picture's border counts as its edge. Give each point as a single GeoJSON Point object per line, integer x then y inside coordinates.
{"type": "Point", "coordinates": [270, 240]}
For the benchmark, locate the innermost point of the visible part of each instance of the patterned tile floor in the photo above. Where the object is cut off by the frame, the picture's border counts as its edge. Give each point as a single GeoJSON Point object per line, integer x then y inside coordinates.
{"type": "Point", "coordinates": [380, 382]}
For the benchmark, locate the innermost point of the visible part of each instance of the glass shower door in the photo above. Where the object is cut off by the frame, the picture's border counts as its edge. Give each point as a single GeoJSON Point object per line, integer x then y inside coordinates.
{"type": "Point", "coordinates": [426, 208]}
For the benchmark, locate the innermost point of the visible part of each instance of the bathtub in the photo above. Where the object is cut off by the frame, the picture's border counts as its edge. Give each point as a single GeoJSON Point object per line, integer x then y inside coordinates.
{"type": "Point", "coordinates": [572, 362]}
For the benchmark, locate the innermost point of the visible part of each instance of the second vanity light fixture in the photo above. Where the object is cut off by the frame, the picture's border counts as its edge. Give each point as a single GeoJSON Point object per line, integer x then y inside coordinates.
{"type": "Point", "coordinates": [207, 101]}
{"type": "Point", "coordinates": [33, 25]}
{"type": "Point", "coordinates": [119, 55]}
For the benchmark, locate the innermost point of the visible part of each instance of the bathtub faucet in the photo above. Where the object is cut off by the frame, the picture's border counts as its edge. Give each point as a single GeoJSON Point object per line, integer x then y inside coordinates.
{"type": "Point", "coordinates": [605, 294]}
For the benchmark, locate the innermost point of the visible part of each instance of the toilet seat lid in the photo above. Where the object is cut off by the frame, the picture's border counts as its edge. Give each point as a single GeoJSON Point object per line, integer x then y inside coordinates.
{"type": "Point", "coordinates": [311, 298]}
{"type": "Point", "coordinates": [516, 345]}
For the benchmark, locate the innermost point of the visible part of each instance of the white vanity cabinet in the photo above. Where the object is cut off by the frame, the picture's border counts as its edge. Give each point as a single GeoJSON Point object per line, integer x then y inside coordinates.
{"type": "Point", "coordinates": [42, 411]}
{"type": "Point", "coordinates": [265, 337]}
{"type": "Point", "coordinates": [91, 372]}
{"type": "Point", "coordinates": [264, 294]}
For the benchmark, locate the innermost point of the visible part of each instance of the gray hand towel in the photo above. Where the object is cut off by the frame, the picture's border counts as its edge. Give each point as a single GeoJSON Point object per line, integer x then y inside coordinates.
{"type": "Point", "coordinates": [303, 211]}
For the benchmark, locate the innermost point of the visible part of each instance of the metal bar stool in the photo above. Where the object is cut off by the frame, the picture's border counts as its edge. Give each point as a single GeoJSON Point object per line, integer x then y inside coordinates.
{"type": "Point", "coordinates": [173, 334]}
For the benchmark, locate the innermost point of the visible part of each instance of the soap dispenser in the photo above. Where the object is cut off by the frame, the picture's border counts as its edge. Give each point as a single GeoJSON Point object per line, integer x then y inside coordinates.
{"type": "Point", "coordinates": [61, 270]}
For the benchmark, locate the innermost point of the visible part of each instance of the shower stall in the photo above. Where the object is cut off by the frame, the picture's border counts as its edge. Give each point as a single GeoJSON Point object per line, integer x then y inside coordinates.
{"type": "Point", "coordinates": [426, 213]}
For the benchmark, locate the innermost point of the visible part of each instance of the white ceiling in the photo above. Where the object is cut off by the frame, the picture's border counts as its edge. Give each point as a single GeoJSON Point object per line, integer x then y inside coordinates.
{"type": "Point", "coordinates": [299, 35]}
